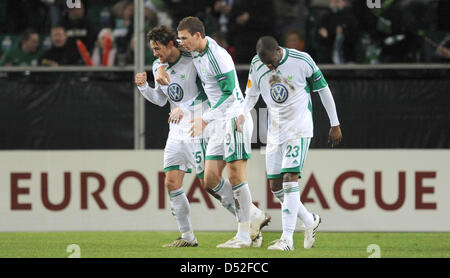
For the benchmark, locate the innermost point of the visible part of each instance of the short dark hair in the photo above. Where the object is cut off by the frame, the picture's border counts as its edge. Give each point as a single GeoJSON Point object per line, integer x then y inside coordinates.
{"type": "Point", "coordinates": [265, 47]}
{"type": "Point", "coordinates": [27, 34]}
{"type": "Point", "coordinates": [193, 25]}
{"type": "Point", "coordinates": [57, 26]}
{"type": "Point", "coordinates": [163, 34]}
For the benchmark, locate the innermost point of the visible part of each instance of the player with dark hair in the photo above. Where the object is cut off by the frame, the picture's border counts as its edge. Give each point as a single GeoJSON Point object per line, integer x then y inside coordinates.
{"type": "Point", "coordinates": [286, 78]}
{"type": "Point", "coordinates": [226, 146]}
{"type": "Point", "coordinates": [187, 98]}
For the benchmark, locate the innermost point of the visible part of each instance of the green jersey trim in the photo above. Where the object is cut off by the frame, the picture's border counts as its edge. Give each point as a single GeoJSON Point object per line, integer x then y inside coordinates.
{"type": "Point", "coordinates": [214, 157]}
{"type": "Point", "coordinates": [259, 81]}
{"type": "Point", "coordinates": [260, 66]}
{"type": "Point", "coordinates": [214, 63]}
{"type": "Point", "coordinates": [291, 170]}
{"type": "Point", "coordinates": [285, 56]}
{"type": "Point", "coordinates": [302, 58]}
{"type": "Point", "coordinates": [174, 63]}
{"type": "Point", "coordinates": [317, 80]}
{"type": "Point", "coordinates": [176, 167]}
{"type": "Point", "coordinates": [298, 53]}
{"type": "Point", "coordinates": [255, 59]}
{"type": "Point", "coordinates": [204, 51]}
{"type": "Point", "coordinates": [273, 177]}
{"type": "Point", "coordinates": [227, 83]}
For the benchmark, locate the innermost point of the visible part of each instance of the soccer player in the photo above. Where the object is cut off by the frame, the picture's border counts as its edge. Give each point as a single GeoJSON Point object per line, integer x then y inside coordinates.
{"type": "Point", "coordinates": [286, 78]}
{"type": "Point", "coordinates": [226, 146]}
{"type": "Point", "coordinates": [186, 97]}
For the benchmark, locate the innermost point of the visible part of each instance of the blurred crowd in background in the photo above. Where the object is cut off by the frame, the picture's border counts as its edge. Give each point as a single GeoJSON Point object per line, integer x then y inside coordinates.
{"type": "Point", "coordinates": [100, 32]}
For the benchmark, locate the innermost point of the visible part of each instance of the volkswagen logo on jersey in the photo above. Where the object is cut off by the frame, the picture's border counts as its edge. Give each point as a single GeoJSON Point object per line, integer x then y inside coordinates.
{"type": "Point", "coordinates": [175, 92]}
{"type": "Point", "coordinates": [279, 93]}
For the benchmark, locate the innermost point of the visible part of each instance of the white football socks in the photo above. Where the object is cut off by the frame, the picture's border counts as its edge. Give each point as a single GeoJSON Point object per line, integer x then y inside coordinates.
{"type": "Point", "coordinates": [243, 204]}
{"type": "Point", "coordinates": [181, 211]}
{"type": "Point", "coordinates": [289, 210]}
{"type": "Point", "coordinates": [225, 191]}
{"type": "Point", "coordinates": [303, 214]}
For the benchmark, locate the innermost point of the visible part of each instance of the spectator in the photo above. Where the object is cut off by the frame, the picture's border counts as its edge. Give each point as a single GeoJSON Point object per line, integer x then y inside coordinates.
{"type": "Point", "coordinates": [56, 10]}
{"type": "Point", "coordinates": [60, 53]}
{"type": "Point", "coordinates": [78, 26]}
{"type": "Point", "coordinates": [100, 48]}
{"type": "Point", "coordinates": [149, 57]}
{"type": "Point", "coordinates": [250, 20]}
{"type": "Point", "coordinates": [221, 14]}
{"type": "Point", "coordinates": [338, 34]}
{"type": "Point", "coordinates": [293, 39]}
{"type": "Point", "coordinates": [179, 9]}
{"type": "Point", "coordinates": [156, 14]}
{"type": "Point", "coordinates": [25, 53]}
{"type": "Point", "coordinates": [290, 14]}
{"type": "Point", "coordinates": [23, 14]}
{"type": "Point", "coordinates": [123, 24]}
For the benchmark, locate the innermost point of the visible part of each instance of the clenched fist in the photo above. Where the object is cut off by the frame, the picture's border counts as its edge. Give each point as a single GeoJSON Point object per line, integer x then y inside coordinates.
{"type": "Point", "coordinates": [141, 78]}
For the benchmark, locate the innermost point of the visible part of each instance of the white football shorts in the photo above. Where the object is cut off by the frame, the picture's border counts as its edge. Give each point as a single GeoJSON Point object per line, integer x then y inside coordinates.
{"type": "Point", "coordinates": [226, 143]}
{"type": "Point", "coordinates": [287, 157]}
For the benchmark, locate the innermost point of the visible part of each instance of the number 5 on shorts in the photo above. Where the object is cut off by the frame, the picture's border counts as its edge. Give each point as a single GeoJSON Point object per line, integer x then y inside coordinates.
{"type": "Point", "coordinates": [198, 157]}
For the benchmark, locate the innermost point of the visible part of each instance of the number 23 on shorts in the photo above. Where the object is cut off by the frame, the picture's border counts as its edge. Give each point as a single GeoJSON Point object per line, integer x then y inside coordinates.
{"type": "Point", "coordinates": [292, 151]}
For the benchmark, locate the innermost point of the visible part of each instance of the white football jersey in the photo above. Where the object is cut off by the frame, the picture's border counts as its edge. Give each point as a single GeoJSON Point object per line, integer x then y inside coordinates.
{"type": "Point", "coordinates": [184, 91]}
{"type": "Point", "coordinates": [216, 69]}
{"type": "Point", "coordinates": [286, 91]}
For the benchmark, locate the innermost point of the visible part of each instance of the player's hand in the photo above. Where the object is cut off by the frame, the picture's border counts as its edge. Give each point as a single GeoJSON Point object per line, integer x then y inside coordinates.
{"type": "Point", "coordinates": [162, 77]}
{"type": "Point", "coordinates": [141, 79]}
{"type": "Point", "coordinates": [335, 136]}
{"type": "Point", "coordinates": [198, 126]}
{"type": "Point", "coordinates": [239, 123]}
{"type": "Point", "coordinates": [176, 115]}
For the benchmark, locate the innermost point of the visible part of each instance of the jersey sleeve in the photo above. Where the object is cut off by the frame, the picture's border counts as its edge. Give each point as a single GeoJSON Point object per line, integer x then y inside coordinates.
{"type": "Point", "coordinates": [314, 76]}
{"type": "Point", "coordinates": [225, 75]}
{"type": "Point", "coordinates": [155, 96]}
{"type": "Point", "coordinates": [252, 92]}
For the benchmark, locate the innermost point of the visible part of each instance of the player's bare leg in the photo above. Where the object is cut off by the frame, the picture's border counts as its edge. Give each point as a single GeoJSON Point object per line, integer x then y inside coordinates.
{"type": "Point", "coordinates": [213, 172]}
{"type": "Point", "coordinates": [180, 209]}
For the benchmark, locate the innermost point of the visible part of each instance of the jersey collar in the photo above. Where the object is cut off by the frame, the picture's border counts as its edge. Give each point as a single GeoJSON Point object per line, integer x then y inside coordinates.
{"type": "Point", "coordinates": [206, 49]}
{"type": "Point", "coordinates": [174, 63]}
{"type": "Point", "coordinates": [286, 54]}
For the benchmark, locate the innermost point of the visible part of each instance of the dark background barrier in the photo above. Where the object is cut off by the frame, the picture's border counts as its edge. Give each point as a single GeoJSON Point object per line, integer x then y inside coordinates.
{"type": "Point", "coordinates": [94, 110]}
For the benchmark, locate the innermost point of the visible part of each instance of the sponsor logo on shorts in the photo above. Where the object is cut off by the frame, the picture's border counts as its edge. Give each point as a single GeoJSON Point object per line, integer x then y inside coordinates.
{"type": "Point", "coordinates": [175, 92]}
{"type": "Point", "coordinates": [279, 93]}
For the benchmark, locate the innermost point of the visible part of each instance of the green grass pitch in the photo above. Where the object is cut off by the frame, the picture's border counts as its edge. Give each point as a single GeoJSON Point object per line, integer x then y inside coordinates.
{"type": "Point", "coordinates": [149, 245]}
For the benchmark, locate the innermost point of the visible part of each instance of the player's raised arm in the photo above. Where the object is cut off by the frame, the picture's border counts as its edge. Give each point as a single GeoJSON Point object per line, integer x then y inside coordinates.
{"type": "Point", "coordinates": [155, 96]}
